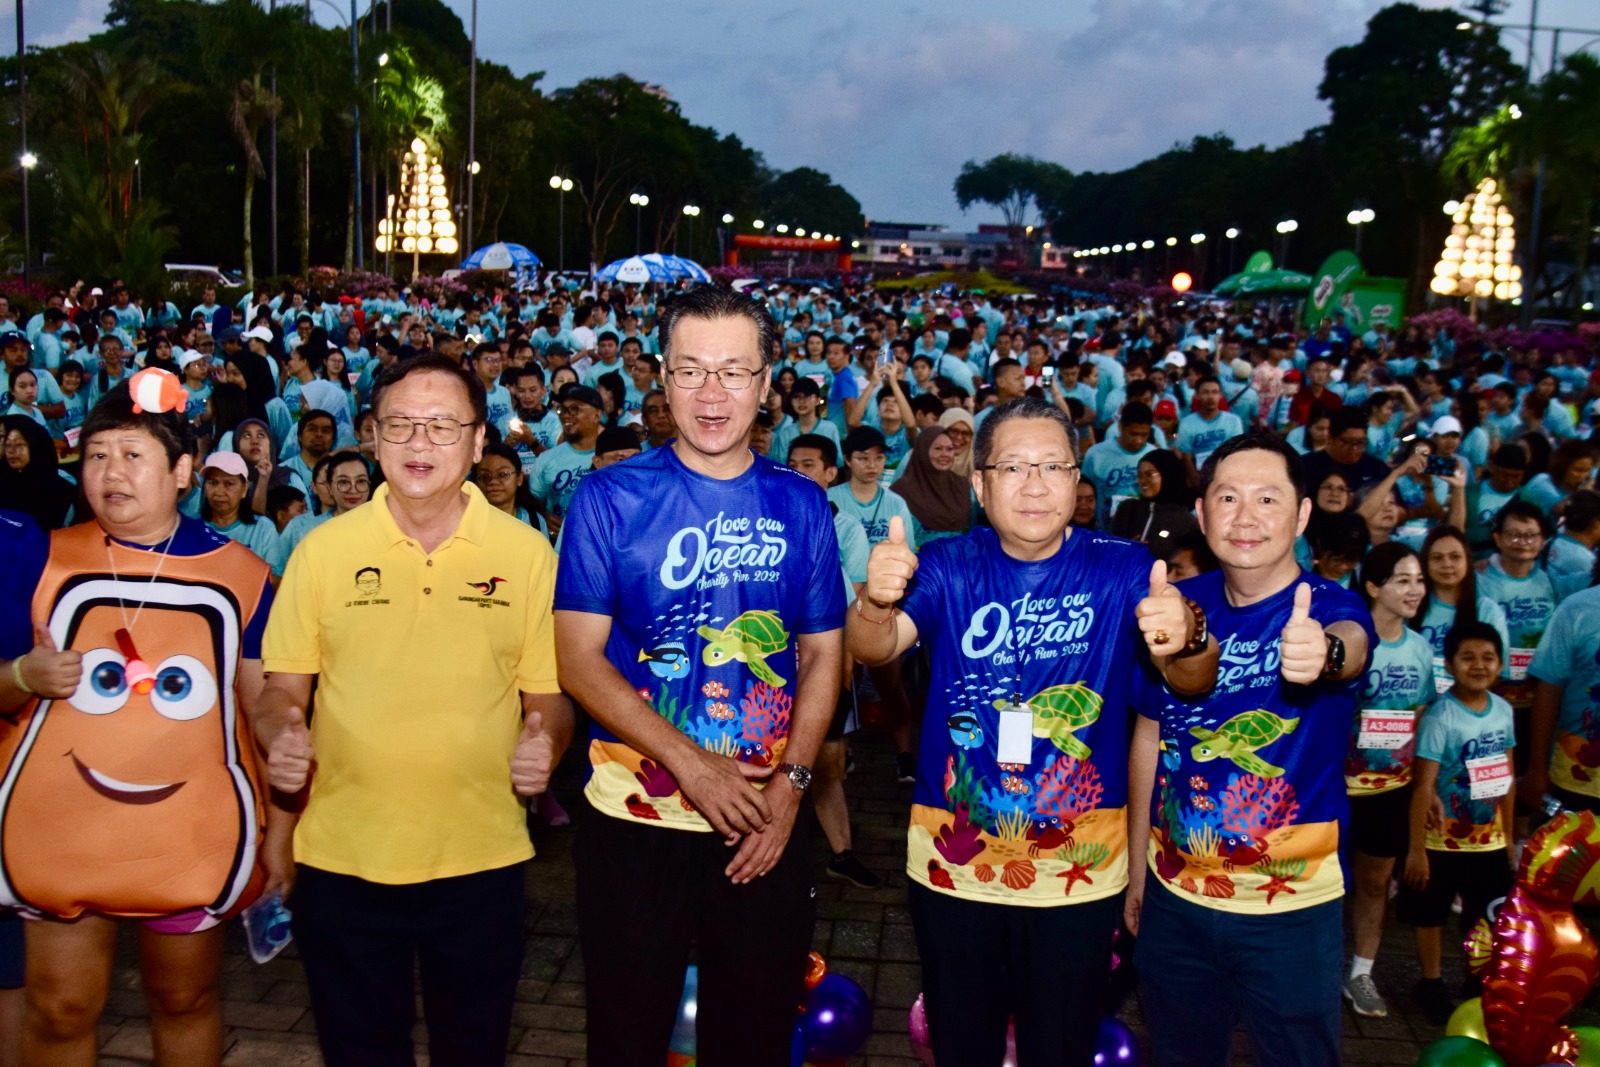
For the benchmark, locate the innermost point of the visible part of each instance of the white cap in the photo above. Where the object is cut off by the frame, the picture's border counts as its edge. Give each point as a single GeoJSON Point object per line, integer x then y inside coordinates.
{"type": "Point", "coordinates": [1445, 424]}
{"type": "Point", "coordinates": [97, 291]}
{"type": "Point", "coordinates": [259, 333]}
{"type": "Point", "coordinates": [1241, 370]}
{"type": "Point", "coordinates": [1176, 359]}
{"type": "Point", "coordinates": [186, 356]}
{"type": "Point", "coordinates": [1199, 342]}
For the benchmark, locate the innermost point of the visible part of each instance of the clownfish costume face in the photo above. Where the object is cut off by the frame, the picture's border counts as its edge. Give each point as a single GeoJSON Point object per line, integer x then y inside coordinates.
{"type": "Point", "coordinates": [133, 798]}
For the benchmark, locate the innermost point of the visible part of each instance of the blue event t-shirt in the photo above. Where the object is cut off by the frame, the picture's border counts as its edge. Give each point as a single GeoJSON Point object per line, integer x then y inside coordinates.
{"type": "Point", "coordinates": [26, 549]}
{"type": "Point", "coordinates": [1051, 830]}
{"type": "Point", "coordinates": [1382, 743]}
{"type": "Point", "coordinates": [1249, 794]}
{"type": "Point", "coordinates": [707, 582]}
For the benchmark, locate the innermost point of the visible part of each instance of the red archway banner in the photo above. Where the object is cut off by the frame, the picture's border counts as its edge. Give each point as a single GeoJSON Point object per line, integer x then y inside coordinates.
{"type": "Point", "coordinates": [786, 244]}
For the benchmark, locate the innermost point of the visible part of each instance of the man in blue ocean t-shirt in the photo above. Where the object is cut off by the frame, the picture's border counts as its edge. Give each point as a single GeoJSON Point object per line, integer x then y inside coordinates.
{"type": "Point", "coordinates": [1017, 849]}
{"type": "Point", "coordinates": [1237, 798]}
{"type": "Point", "coordinates": [698, 608]}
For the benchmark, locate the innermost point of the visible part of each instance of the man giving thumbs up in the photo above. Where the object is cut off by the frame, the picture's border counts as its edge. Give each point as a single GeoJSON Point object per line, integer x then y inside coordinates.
{"type": "Point", "coordinates": [1237, 797]}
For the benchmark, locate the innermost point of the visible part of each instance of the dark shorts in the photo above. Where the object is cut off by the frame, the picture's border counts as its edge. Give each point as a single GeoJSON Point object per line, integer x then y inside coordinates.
{"type": "Point", "coordinates": [10, 951]}
{"type": "Point", "coordinates": [1380, 823]}
{"type": "Point", "coordinates": [1476, 877]}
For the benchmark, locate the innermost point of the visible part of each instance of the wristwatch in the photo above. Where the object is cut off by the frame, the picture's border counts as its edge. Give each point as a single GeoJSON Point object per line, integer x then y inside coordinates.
{"type": "Point", "coordinates": [799, 777]}
{"type": "Point", "coordinates": [1335, 663]}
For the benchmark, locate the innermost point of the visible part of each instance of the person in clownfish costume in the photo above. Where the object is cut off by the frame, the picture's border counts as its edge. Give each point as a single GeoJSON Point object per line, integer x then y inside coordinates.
{"type": "Point", "coordinates": [128, 781]}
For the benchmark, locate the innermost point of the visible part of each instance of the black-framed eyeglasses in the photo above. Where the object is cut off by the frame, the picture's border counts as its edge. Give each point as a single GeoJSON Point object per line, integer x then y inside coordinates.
{"type": "Point", "coordinates": [399, 430]}
{"type": "Point", "coordinates": [1053, 473]}
{"type": "Point", "coordinates": [733, 379]}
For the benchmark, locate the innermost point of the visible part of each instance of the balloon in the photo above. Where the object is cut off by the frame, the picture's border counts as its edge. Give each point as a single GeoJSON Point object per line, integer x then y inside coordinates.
{"type": "Point", "coordinates": [1115, 1046]}
{"type": "Point", "coordinates": [683, 1031]}
{"type": "Point", "coordinates": [838, 1018]}
{"type": "Point", "coordinates": [917, 1027]}
{"type": "Point", "coordinates": [1467, 1021]}
{"type": "Point", "coordinates": [797, 1047]}
{"type": "Point", "coordinates": [1459, 1052]}
{"type": "Point", "coordinates": [816, 967]}
{"type": "Point", "coordinates": [680, 1059]}
{"type": "Point", "coordinates": [1560, 860]}
{"type": "Point", "coordinates": [1544, 964]}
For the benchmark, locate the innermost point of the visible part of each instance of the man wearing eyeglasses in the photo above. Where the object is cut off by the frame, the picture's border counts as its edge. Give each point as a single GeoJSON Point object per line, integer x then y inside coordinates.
{"type": "Point", "coordinates": [559, 469]}
{"type": "Point", "coordinates": [423, 619]}
{"type": "Point", "coordinates": [698, 617]}
{"type": "Point", "coordinates": [1018, 844]}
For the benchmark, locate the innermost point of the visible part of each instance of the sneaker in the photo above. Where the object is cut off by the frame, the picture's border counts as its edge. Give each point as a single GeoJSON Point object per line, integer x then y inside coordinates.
{"type": "Point", "coordinates": [1365, 1000]}
{"type": "Point", "coordinates": [847, 868]}
{"type": "Point", "coordinates": [906, 768]}
{"type": "Point", "coordinates": [1434, 1000]}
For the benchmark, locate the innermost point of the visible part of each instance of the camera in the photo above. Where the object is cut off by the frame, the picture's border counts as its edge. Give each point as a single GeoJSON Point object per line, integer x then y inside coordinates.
{"type": "Point", "coordinates": [1440, 465]}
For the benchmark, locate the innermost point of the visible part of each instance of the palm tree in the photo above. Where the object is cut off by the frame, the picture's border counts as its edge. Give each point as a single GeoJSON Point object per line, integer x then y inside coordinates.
{"type": "Point", "coordinates": [240, 44]}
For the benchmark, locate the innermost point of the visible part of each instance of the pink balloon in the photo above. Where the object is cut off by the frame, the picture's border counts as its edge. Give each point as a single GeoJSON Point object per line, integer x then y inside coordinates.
{"type": "Point", "coordinates": [918, 1028]}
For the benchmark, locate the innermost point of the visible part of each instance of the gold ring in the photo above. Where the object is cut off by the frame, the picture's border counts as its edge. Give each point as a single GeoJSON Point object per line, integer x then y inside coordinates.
{"type": "Point", "coordinates": [1162, 637]}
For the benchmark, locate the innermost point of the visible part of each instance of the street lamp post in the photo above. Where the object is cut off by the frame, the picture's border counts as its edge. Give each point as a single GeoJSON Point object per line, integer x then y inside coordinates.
{"type": "Point", "coordinates": [693, 212]}
{"type": "Point", "coordinates": [1358, 219]}
{"type": "Point", "coordinates": [1285, 228]}
{"type": "Point", "coordinates": [1232, 234]}
{"type": "Point", "coordinates": [638, 200]}
{"type": "Point", "coordinates": [355, 76]}
{"type": "Point", "coordinates": [562, 186]}
{"type": "Point", "coordinates": [1198, 239]}
{"type": "Point", "coordinates": [28, 161]}
{"type": "Point", "coordinates": [472, 127]}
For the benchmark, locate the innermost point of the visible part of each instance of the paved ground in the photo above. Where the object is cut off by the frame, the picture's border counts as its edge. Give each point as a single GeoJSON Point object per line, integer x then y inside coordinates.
{"type": "Point", "coordinates": [864, 934]}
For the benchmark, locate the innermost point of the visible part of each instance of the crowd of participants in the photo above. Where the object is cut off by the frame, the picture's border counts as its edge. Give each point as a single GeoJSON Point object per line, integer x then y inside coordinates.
{"type": "Point", "coordinates": [1448, 486]}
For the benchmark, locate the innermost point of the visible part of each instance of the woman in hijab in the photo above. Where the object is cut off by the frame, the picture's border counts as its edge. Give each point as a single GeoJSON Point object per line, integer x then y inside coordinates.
{"type": "Point", "coordinates": [251, 371]}
{"type": "Point", "coordinates": [1164, 511]}
{"type": "Point", "coordinates": [957, 422]}
{"type": "Point", "coordinates": [938, 498]}
{"type": "Point", "coordinates": [30, 481]}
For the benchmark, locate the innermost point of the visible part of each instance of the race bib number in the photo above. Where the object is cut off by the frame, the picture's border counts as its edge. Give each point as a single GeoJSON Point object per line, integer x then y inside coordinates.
{"type": "Point", "coordinates": [1385, 728]}
{"type": "Point", "coordinates": [71, 436]}
{"type": "Point", "coordinates": [1520, 659]}
{"type": "Point", "coordinates": [1016, 735]}
{"type": "Point", "coordinates": [1489, 776]}
{"type": "Point", "coordinates": [820, 379]}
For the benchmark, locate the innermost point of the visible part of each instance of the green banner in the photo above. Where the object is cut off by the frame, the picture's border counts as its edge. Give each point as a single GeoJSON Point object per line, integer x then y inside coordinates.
{"type": "Point", "coordinates": [1258, 262]}
{"type": "Point", "coordinates": [1369, 301]}
{"type": "Point", "coordinates": [1329, 284]}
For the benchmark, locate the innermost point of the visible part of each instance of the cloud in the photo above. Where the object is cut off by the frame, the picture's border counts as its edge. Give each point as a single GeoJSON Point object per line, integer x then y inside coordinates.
{"type": "Point", "coordinates": [55, 23]}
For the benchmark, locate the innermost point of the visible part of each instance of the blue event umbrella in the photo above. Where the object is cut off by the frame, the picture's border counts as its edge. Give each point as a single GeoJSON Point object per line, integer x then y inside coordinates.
{"type": "Point", "coordinates": [502, 255]}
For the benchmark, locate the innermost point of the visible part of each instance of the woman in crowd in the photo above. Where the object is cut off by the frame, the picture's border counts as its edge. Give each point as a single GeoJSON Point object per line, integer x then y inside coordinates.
{"type": "Point", "coordinates": [30, 478]}
{"type": "Point", "coordinates": [957, 422]}
{"type": "Point", "coordinates": [498, 475]}
{"type": "Point", "coordinates": [1453, 596]}
{"type": "Point", "coordinates": [1569, 469]}
{"type": "Point", "coordinates": [1164, 511]}
{"type": "Point", "coordinates": [226, 508]}
{"type": "Point", "coordinates": [940, 499]}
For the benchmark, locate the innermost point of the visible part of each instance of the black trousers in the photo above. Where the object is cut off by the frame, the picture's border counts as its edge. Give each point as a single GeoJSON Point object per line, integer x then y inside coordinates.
{"type": "Point", "coordinates": [646, 895]}
{"type": "Point", "coordinates": [360, 942]}
{"type": "Point", "coordinates": [984, 963]}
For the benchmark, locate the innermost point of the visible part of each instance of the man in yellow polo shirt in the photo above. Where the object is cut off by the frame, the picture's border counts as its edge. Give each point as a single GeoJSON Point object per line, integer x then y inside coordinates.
{"type": "Point", "coordinates": [424, 618]}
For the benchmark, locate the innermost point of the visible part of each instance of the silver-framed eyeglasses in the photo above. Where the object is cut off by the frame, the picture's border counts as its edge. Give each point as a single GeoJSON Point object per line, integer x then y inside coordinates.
{"type": "Point", "coordinates": [1055, 472]}
{"type": "Point", "coordinates": [399, 430]}
{"type": "Point", "coordinates": [733, 379]}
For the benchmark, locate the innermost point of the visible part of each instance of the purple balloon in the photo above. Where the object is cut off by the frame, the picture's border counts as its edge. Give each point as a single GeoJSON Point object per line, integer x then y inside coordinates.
{"type": "Point", "coordinates": [917, 1027]}
{"type": "Point", "coordinates": [838, 1019]}
{"type": "Point", "coordinates": [1115, 1045]}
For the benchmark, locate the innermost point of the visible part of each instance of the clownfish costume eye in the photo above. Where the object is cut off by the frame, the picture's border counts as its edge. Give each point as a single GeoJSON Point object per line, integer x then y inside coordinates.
{"type": "Point", "coordinates": [103, 686]}
{"type": "Point", "coordinates": [184, 689]}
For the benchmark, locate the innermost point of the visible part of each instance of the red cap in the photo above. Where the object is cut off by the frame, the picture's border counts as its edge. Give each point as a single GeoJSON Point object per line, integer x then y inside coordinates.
{"type": "Point", "coordinates": [1166, 409]}
{"type": "Point", "coordinates": [1291, 376]}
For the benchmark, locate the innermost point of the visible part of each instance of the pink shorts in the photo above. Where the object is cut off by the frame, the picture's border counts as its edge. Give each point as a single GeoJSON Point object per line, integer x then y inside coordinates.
{"type": "Point", "coordinates": [192, 921]}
